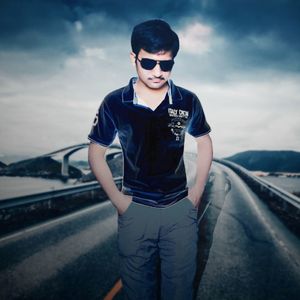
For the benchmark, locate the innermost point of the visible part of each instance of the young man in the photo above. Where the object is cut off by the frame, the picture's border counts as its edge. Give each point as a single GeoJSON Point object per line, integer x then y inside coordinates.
{"type": "Point", "coordinates": [157, 213]}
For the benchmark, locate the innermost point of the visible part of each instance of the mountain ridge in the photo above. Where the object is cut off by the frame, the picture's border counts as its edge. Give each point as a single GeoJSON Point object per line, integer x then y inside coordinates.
{"type": "Point", "coordinates": [268, 160]}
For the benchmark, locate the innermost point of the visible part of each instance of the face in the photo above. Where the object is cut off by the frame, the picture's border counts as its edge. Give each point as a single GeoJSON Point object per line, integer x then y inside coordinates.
{"type": "Point", "coordinates": [155, 78]}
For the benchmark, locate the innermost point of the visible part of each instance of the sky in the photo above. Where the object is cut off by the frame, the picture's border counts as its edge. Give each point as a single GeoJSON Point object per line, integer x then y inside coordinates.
{"type": "Point", "coordinates": [59, 58]}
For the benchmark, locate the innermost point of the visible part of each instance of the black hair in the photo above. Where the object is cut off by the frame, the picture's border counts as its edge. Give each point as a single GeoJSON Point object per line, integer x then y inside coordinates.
{"type": "Point", "coordinates": [154, 36]}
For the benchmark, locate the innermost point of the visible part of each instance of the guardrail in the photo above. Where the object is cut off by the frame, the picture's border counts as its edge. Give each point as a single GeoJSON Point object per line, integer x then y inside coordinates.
{"type": "Point", "coordinates": [22, 211]}
{"type": "Point", "coordinates": [18, 211]}
{"type": "Point", "coordinates": [53, 194]}
{"type": "Point", "coordinates": [283, 203]}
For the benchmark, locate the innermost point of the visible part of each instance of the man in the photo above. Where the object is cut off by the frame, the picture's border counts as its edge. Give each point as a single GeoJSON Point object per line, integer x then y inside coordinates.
{"type": "Point", "coordinates": [157, 213]}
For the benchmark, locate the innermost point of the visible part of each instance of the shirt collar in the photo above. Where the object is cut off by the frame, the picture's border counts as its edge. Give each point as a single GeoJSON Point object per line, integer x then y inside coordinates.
{"type": "Point", "coordinates": [128, 93]}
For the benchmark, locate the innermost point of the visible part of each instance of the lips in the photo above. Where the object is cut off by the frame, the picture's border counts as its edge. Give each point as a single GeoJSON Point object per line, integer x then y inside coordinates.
{"type": "Point", "coordinates": [157, 80]}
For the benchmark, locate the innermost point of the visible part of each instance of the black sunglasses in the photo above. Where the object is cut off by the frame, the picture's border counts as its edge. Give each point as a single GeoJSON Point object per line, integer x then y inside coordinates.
{"type": "Point", "coordinates": [149, 64]}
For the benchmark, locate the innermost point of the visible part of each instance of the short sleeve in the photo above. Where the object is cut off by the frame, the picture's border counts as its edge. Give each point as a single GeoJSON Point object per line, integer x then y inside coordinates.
{"type": "Point", "coordinates": [103, 130]}
{"type": "Point", "coordinates": [198, 125]}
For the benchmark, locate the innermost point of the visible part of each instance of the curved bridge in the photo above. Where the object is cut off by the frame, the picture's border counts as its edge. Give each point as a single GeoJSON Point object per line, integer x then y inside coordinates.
{"type": "Point", "coordinates": [68, 151]}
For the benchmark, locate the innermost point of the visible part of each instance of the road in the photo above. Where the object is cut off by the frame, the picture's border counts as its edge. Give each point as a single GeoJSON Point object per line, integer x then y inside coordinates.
{"type": "Point", "coordinates": [251, 254]}
{"type": "Point", "coordinates": [245, 252]}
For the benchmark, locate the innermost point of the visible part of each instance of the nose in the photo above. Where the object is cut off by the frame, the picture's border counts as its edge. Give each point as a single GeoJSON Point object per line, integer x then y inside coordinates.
{"type": "Point", "coordinates": [157, 70]}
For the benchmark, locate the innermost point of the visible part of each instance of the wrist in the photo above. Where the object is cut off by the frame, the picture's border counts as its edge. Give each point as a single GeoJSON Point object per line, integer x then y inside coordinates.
{"type": "Point", "coordinates": [116, 194]}
{"type": "Point", "coordinates": [116, 198]}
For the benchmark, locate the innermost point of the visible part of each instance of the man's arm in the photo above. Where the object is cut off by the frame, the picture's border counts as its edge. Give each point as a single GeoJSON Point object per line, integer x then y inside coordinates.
{"type": "Point", "coordinates": [102, 172]}
{"type": "Point", "coordinates": [204, 159]}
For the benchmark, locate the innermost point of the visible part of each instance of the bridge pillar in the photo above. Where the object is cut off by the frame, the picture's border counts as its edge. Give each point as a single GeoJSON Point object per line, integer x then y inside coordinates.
{"type": "Point", "coordinates": [65, 166]}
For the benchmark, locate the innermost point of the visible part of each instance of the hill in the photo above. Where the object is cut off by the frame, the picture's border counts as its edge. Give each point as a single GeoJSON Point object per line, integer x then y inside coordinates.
{"type": "Point", "coordinates": [268, 161]}
{"type": "Point", "coordinates": [45, 167]}
{"type": "Point", "coordinates": [115, 164]}
{"type": "Point", "coordinates": [2, 165]}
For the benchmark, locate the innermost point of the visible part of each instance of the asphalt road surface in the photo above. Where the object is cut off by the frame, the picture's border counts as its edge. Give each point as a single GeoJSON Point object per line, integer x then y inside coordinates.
{"type": "Point", "coordinates": [245, 252]}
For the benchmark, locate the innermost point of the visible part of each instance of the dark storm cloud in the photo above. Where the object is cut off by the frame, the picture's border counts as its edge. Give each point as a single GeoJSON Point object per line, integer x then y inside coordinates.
{"type": "Point", "coordinates": [262, 33]}
{"type": "Point", "coordinates": [241, 18]}
{"type": "Point", "coordinates": [28, 25]}
{"type": "Point", "coordinates": [234, 18]}
{"type": "Point", "coordinates": [49, 24]}
{"type": "Point", "coordinates": [258, 32]}
{"type": "Point", "coordinates": [132, 11]}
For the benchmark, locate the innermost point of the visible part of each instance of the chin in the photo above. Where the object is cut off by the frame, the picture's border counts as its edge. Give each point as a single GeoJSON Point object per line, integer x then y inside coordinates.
{"type": "Point", "coordinates": [157, 85]}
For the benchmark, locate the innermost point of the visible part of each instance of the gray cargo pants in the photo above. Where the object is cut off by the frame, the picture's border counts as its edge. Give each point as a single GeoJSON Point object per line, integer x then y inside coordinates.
{"type": "Point", "coordinates": [147, 235]}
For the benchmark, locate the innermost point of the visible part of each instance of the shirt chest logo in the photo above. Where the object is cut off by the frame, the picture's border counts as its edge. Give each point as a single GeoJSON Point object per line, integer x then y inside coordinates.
{"type": "Point", "coordinates": [178, 122]}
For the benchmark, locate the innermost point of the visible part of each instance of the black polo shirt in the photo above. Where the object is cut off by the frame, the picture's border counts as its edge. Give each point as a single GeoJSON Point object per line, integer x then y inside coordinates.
{"type": "Point", "coordinates": [152, 141]}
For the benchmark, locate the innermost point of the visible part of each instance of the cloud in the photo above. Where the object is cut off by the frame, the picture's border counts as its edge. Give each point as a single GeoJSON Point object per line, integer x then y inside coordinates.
{"type": "Point", "coordinates": [31, 25]}
{"type": "Point", "coordinates": [94, 53]}
{"type": "Point", "coordinates": [78, 26]}
{"type": "Point", "coordinates": [256, 34]}
{"type": "Point", "coordinates": [42, 111]}
{"type": "Point", "coordinates": [195, 38]}
{"type": "Point", "coordinates": [60, 58]}
{"type": "Point", "coordinates": [257, 113]}
{"type": "Point", "coordinates": [261, 34]}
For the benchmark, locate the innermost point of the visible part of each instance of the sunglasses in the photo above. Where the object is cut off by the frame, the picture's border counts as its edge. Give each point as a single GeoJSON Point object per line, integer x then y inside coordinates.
{"type": "Point", "coordinates": [149, 64]}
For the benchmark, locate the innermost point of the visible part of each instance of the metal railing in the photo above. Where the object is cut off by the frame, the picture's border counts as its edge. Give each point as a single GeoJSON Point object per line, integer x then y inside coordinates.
{"type": "Point", "coordinates": [52, 194]}
{"type": "Point", "coordinates": [283, 203]}
{"type": "Point", "coordinates": [84, 187]}
{"type": "Point", "coordinates": [292, 199]}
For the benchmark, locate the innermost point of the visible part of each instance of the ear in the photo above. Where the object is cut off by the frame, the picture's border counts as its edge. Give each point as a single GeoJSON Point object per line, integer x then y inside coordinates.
{"type": "Point", "coordinates": [132, 58]}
